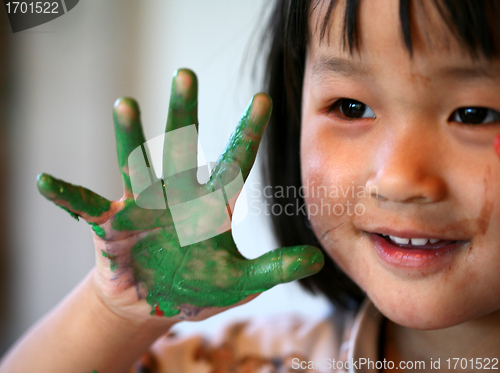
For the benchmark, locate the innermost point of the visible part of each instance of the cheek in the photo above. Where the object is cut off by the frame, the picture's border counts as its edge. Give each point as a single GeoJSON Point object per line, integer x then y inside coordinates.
{"type": "Point", "coordinates": [475, 190]}
{"type": "Point", "coordinates": [484, 253]}
{"type": "Point", "coordinates": [334, 180]}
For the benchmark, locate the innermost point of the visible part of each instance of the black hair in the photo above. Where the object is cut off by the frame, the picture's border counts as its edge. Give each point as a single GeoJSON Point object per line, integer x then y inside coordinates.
{"type": "Point", "coordinates": [474, 24]}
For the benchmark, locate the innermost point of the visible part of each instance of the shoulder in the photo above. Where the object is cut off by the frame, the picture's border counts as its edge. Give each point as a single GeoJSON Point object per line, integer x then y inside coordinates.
{"type": "Point", "coordinates": [261, 345]}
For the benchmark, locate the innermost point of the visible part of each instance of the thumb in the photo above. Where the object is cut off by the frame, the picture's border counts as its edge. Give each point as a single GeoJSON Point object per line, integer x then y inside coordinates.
{"type": "Point", "coordinates": [282, 265]}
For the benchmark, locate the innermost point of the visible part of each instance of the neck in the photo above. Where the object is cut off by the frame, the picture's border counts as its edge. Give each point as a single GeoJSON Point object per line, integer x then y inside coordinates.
{"type": "Point", "coordinates": [475, 339]}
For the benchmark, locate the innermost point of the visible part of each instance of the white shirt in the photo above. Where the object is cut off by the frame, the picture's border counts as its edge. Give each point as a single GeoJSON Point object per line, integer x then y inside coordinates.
{"type": "Point", "coordinates": [342, 342]}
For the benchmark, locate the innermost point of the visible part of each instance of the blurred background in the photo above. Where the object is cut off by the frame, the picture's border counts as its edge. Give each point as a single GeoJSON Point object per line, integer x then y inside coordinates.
{"type": "Point", "coordinates": [58, 82]}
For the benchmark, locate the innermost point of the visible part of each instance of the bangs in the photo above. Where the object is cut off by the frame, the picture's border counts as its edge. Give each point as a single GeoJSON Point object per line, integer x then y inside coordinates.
{"type": "Point", "coordinates": [473, 23]}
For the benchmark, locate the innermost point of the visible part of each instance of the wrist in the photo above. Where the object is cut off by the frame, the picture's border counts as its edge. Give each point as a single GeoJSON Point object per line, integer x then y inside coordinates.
{"type": "Point", "coordinates": [83, 334]}
{"type": "Point", "coordinates": [117, 338]}
{"type": "Point", "coordinates": [131, 320]}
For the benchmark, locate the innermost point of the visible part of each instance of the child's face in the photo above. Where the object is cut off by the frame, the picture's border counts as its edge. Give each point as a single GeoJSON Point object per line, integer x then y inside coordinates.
{"type": "Point", "coordinates": [415, 169]}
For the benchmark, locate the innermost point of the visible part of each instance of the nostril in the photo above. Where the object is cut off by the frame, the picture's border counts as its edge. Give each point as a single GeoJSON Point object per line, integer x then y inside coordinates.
{"type": "Point", "coordinates": [400, 188]}
{"type": "Point", "coordinates": [378, 196]}
{"type": "Point", "coordinates": [417, 200]}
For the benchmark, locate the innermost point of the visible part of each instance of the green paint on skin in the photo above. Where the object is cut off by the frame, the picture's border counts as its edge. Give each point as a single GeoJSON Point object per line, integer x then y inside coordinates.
{"type": "Point", "coordinates": [183, 107]}
{"type": "Point", "coordinates": [211, 272]}
{"type": "Point", "coordinates": [133, 218]}
{"type": "Point", "coordinates": [98, 230]}
{"type": "Point", "coordinates": [242, 148]}
{"type": "Point", "coordinates": [78, 198]}
{"type": "Point", "coordinates": [113, 265]}
{"type": "Point", "coordinates": [206, 274]}
{"type": "Point", "coordinates": [129, 135]}
{"type": "Point", "coordinates": [183, 110]}
{"type": "Point", "coordinates": [74, 216]}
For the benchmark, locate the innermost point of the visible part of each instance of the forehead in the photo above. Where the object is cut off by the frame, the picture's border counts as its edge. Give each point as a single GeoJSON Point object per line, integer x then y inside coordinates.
{"type": "Point", "coordinates": [377, 34]}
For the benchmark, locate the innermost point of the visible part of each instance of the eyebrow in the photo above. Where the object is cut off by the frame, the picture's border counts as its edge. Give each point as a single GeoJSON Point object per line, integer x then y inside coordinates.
{"type": "Point", "coordinates": [469, 73]}
{"type": "Point", "coordinates": [340, 66]}
{"type": "Point", "coordinates": [346, 67]}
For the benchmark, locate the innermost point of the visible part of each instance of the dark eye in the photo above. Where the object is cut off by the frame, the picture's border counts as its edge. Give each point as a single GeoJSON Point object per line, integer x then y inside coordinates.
{"type": "Point", "coordinates": [475, 115]}
{"type": "Point", "coordinates": [352, 109]}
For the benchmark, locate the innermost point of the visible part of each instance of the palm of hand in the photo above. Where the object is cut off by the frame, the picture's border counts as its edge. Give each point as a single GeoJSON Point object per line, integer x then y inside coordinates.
{"type": "Point", "coordinates": [139, 254]}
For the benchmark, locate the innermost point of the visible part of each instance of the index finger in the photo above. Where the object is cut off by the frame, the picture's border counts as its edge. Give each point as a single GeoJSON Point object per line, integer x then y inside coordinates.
{"type": "Point", "coordinates": [243, 144]}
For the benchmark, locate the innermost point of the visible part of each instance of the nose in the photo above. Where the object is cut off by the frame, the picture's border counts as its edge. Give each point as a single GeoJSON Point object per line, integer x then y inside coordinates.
{"type": "Point", "coordinates": [407, 169]}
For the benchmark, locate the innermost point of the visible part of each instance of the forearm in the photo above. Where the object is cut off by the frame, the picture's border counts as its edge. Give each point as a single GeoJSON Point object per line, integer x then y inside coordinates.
{"type": "Point", "coordinates": [81, 335]}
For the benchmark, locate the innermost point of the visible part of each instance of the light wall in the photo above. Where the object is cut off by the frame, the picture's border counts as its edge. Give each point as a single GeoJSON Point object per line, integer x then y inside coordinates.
{"type": "Point", "coordinates": [64, 79]}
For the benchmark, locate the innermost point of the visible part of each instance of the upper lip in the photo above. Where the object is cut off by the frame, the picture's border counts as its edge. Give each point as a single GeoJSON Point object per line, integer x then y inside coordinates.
{"type": "Point", "coordinates": [415, 233]}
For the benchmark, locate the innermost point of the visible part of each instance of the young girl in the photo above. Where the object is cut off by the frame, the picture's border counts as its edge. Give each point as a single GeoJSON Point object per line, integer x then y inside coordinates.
{"type": "Point", "coordinates": [387, 112]}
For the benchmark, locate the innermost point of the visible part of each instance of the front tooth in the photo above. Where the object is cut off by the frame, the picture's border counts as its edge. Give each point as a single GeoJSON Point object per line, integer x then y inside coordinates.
{"type": "Point", "coordinates": [399, 240]}
{"type": "Point", "coordinates": [434, 240]}
{"type": "Point", "coordinates": [418, 241]}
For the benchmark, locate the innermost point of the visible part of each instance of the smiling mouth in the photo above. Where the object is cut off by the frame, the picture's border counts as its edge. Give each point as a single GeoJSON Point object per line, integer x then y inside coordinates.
{"type": "Point", "coordinates": [418, 243]}
{"type": "Point", "coordinates": [426, 255]}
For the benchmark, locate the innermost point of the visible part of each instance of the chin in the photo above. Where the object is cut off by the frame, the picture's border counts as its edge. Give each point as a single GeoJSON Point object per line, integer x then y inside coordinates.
{"type": "Point", "coordinates": [429, 314]}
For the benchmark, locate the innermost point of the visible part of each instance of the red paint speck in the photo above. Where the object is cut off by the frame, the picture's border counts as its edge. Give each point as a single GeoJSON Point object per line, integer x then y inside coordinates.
{"type": "Point", "coordinates": [158, 312]}
{"type": "Point", "coordinates": [497, 144]}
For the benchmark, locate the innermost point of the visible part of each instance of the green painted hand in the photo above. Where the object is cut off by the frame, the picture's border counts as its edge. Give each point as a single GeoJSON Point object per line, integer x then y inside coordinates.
{"type": "Point", "coordinates": [139, 254]}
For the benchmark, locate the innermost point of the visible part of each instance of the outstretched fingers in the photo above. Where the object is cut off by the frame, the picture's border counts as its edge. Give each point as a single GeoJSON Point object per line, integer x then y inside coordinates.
{"type": "Point", "coordinates": [280, 266]}
{"type": "Point", "coordinates": [77, 200]}
{"type": "Point", "coordinates": [129, 136]}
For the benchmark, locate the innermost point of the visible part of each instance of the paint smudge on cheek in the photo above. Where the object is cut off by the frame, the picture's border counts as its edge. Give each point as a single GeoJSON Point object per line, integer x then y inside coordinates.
{"type": "Point", "coordinates": [496, 144]}
{"type": "Point", "coordinates": [483, 221]}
